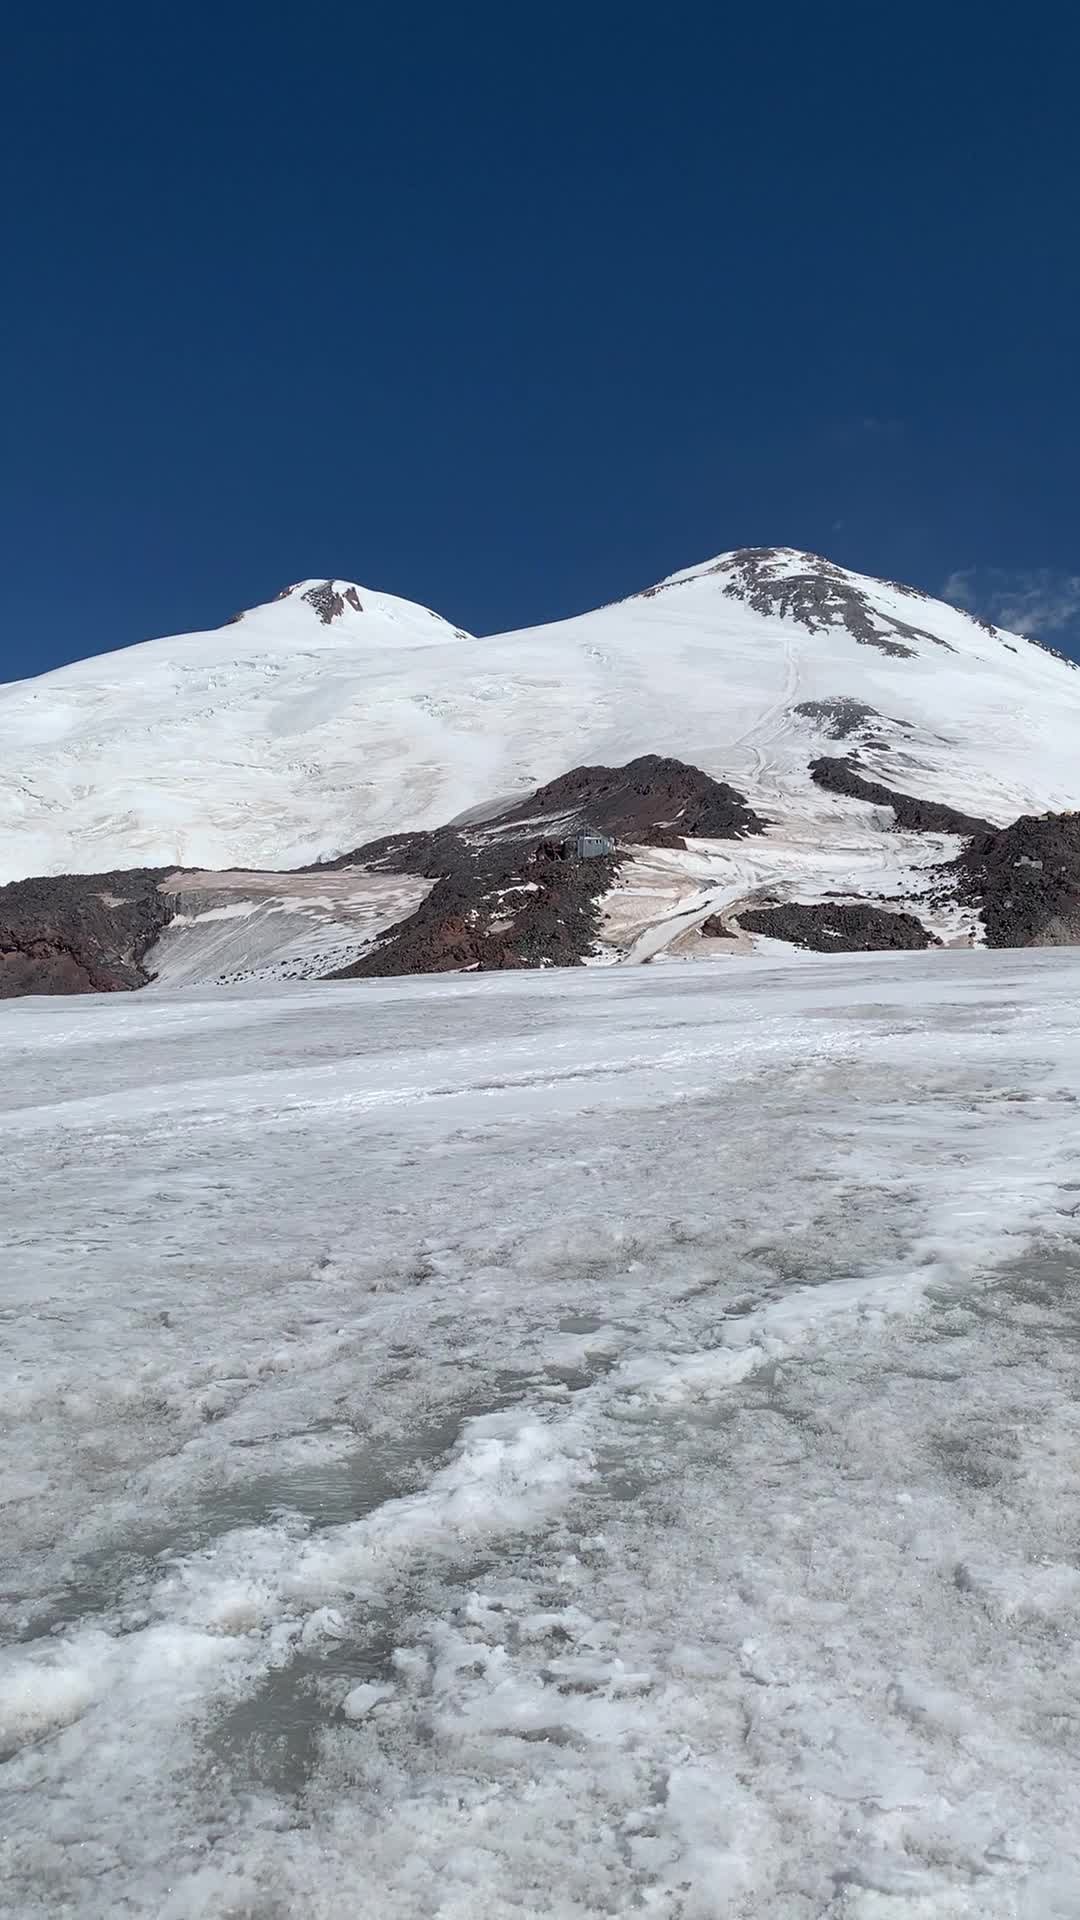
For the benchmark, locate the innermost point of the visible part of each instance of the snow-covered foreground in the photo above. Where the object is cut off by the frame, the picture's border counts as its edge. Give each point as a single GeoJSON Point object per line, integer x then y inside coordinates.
{"type": "Point", "coordinates": [545, 1446]}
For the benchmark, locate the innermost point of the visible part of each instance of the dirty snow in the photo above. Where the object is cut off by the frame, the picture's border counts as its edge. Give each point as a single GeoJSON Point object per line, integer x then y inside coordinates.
{"type": "Point", "coordinates": [527, 1446]}
{"type": "Point", "coordinates": [664, 895]}
{"type": "Point", "coordinates": [233, 928]}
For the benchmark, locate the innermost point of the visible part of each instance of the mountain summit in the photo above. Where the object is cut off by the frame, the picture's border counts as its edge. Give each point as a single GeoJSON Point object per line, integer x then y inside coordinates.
{"type": "Point", "coordinates": [818, 594]}
{"type": "Point", "coordinates": [334, 714]}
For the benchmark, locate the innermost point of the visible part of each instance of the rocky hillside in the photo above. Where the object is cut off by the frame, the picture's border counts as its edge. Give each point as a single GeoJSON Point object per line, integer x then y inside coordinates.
{"type": "Point", "coordinates": [1025, 880]}
{"type": "Point", "coordinates": [512, 894]}
{"type": "Point", "coordinates": [80, 933]}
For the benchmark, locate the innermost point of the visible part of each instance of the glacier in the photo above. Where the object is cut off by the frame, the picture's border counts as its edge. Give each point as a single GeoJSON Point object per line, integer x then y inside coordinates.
{"type": "Point", "coordinates": [319, 721]}
{"type": "Point", "coordinates": [561, 1445]}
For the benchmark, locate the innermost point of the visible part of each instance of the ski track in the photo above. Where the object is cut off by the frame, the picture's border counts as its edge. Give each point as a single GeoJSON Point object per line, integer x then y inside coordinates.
{"type": "Point", "coordinates": [492, 1448]}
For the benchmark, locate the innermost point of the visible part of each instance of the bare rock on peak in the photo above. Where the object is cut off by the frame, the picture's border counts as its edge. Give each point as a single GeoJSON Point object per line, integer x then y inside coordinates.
{"type": "Point", "coordinates": [781, 582]}
{"type": "Point", "coordinates": [328, 603]}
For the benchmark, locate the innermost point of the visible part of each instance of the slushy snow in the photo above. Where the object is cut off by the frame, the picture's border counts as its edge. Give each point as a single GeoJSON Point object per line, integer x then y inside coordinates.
{"type": "Point", "coordinates": [542, 1448]}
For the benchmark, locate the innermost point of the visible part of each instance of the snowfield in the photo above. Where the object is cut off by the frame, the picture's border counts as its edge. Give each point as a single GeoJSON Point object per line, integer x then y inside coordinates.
{"type": "Point", "coordinates": [543, 1447]}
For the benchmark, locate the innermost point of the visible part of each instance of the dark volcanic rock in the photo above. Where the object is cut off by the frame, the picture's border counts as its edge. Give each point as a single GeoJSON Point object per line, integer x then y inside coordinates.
{"type": "Point", "coordinates": [1025, 880]}
{"type": "Point", "coordinates": [651, 801]}
{"type": "Point", "coordinates": [841, 717]}
{"type": "Point", "coordinates": [496, 907]}
{"type": "Point", "coordinates": [506, 897]}
{"type": "Point", "coordinates": [328, 603]}
{"type": "Point", "coordinates": [825, 928]}
{"type": "Point", "coordinates": [80, 933]}
{"type": "Point", "coordinates": [818, 594]}
{"type": "Point", "coordinates": [916, 816]}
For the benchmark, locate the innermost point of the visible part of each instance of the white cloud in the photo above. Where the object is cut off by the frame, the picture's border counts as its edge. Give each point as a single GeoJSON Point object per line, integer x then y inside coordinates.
{"type": "Point", "coordinates": [957, 588]}
{"type": "Point", "coordinates": [1034, 600]}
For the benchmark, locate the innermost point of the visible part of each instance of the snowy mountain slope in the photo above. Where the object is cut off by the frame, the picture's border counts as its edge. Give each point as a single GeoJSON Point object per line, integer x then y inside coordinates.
{"type": "Point", "coordinates": [759, 661]}
{"type": "Point", "coordinates": [261, 743]}
{"type": "Point", "coordinates": [334, 715]}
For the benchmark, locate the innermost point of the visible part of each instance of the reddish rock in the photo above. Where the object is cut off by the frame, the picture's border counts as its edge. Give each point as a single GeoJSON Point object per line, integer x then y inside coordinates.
{"type": "Point", "coordinates": [80, 933]}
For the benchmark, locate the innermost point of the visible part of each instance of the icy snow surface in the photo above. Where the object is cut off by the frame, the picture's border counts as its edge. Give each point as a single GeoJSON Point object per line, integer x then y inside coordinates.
{"type": "Point", "coordinates": [545, 1447]}
{"type": "Point", "coordinates": [278, 739]}
{"type": "Point", "coordinates": [246, 927]}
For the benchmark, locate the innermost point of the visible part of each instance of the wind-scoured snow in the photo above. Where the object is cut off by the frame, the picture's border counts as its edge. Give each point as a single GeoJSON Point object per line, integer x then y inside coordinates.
{"type": "Point", "coordinates": [534, 1448]}
{"type": "Point", "coordinates": [307, 727]}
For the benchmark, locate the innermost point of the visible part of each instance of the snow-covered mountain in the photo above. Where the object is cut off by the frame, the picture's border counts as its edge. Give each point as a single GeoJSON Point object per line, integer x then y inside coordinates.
{"type": "Point", "coordinates": [335, 714]}
{"type": "Point", "coordinates": [264, 741]}
{"type": "Point", "coordinates": [773, 741]}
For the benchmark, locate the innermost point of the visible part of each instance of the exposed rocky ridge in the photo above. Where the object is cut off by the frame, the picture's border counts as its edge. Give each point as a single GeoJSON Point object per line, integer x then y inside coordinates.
{"type": "Point", "coordinates": [840, 718]}
{"type": "Point", "coordinates": [80, 933]}
{"type": "Point", "coordinates": [329, 605]}
{"type": "Point", "coordinates": [843, 775]}
{"type": "Point", "coordinates": [652, 801]}
{"type": "Point", "coordinates": [1025, 880]}
{"type": "Point", "coordinates": [516, 904]}
{"type": "Point", "coordinates": [828, 928]}
{"type": "Point", "coordinates": [326, 599]}
{"type": "Point", "coordinates": [327, 602]}
{"type": "Point", "coordinates": [506, 897]}
{"type": "Point", "coordinates": [1055, 653]}
{"type": "Point", "coordinates": [816, 593]}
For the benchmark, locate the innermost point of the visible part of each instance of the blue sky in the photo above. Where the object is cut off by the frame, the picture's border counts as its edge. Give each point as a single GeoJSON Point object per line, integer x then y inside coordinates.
{"type": "Point", "coordinates": [514, 310]}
